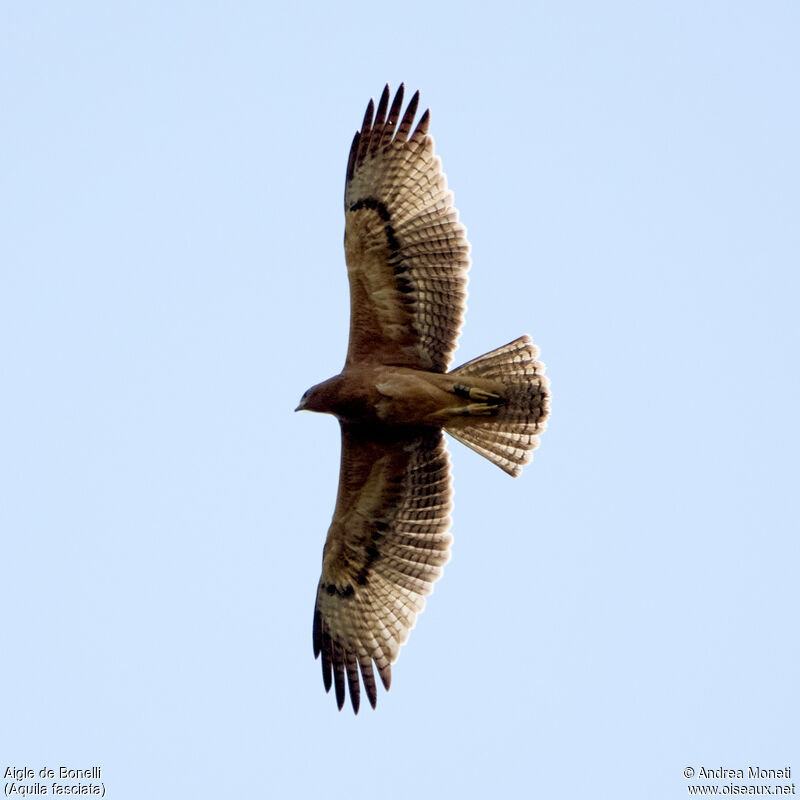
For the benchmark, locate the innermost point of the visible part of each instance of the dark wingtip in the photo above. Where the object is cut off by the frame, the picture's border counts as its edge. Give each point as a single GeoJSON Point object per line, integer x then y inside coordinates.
{"type": "Point", "coordinates": [322, 646]}
{"type": "Point", "coordinates": [383, 104]}
{"type": "Point", "coordinates": [326, 674]}
{"type": "Point", "coordinates": [351, 159]}
{"type": "Point", "coordinates": [368, 114]}
{"type": "Point", "coordinates": [339, 686]}
{"type": "Point", "coordinates": [394, 112]}
{"type": "Point", "coordinates": [338, 672]}
{"type": "Point", "coordinates": [316, 633]}
{"type": "Point", "coordinates": [386, 676]}
{"type": "Point", "coordinates": [368, 677]}
{"type": "Point", "coordinates": [352, 680]}
{"type": "Point", "coordinates": [422, 125]}
{"type": "Point", "coordinates": [408, 118]}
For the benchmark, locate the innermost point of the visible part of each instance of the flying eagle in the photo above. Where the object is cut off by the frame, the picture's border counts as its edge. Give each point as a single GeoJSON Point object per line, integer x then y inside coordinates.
{"type": "Point", "coordinates": [407, 260]}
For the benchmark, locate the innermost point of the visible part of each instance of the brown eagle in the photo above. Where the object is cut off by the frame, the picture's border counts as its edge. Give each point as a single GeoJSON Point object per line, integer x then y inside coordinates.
{"type": "Point", "coordinates": [407, 260]}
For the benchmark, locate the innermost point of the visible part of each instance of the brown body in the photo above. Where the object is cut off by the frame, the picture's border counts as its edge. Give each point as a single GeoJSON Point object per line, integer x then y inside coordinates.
{"type": "Point", "coordinates": [407, 259]}
{"type": "Point", "coordinates": [385, 395]}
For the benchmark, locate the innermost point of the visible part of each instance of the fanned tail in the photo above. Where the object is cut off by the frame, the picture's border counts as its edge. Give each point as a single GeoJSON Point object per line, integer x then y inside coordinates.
{"type": "Point", "coordinates": [509, 436]}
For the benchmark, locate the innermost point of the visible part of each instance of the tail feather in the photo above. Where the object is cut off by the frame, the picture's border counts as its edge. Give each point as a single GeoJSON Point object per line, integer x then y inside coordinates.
{"type": "Point", "coordinates": [509, 437]}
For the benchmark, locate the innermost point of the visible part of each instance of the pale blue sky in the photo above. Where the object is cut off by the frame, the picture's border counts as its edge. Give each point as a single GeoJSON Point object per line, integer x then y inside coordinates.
{"type": "Point", "coordinates": [171, 281]}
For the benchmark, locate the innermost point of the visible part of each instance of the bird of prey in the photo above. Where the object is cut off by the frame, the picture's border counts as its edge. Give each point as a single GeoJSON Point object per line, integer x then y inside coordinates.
{"type": "Point", "coordinates": [407, 260]}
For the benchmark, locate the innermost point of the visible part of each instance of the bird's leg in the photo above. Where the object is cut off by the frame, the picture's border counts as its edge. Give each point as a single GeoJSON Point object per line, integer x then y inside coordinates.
{"type": "Point", "coordinates": [484, 403]}
{"type": "Point", "coordinates": [473, 393]}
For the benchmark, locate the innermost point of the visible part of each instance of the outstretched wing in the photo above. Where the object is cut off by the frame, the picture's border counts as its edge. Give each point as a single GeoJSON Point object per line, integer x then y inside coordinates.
{"type": "Point", "coordinates": [386, 546]}
{"type": "Point", "coordinates": [407, 253]}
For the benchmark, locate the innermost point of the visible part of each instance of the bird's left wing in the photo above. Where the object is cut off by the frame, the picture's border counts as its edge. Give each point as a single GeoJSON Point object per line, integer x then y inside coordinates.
{"type": "Point", "coordinates": [386, 546]}
{"type": "Point", "coordinates": [407, 253]}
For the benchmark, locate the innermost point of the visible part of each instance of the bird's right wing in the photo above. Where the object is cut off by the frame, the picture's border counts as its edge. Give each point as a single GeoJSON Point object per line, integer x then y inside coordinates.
{"type": "Point", "coordinates": [386, 545]}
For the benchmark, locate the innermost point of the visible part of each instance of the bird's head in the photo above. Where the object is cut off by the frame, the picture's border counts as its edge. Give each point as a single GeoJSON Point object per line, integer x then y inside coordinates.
{"type": "Point", "coordinates": [313, 399]}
